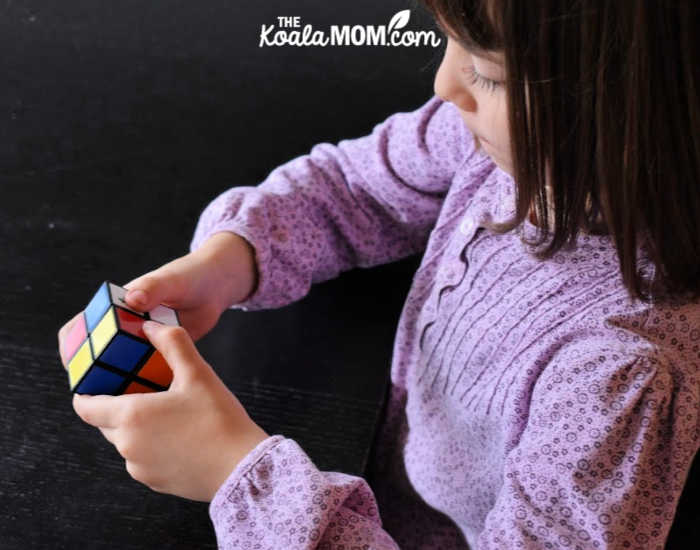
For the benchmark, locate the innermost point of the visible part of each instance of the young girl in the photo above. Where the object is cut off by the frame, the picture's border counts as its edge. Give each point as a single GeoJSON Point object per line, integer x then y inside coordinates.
{"type": "Point", "coordinates": [545, 387]}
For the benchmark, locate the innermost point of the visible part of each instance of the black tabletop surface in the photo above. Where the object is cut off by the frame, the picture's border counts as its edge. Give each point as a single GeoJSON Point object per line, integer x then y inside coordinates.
{"type": "Point", "coordinates": [120, 121]}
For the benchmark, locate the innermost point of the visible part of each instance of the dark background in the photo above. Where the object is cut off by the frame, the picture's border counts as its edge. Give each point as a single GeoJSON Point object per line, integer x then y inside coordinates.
{"type": "Point", "coordinates": [119, 122]}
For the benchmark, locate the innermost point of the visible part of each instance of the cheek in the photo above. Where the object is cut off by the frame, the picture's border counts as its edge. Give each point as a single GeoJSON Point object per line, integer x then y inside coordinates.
{"type": "Point", "coordinates": [500, 135]}
{"type": "Point", "coordinates": [500, 141]}
{"type": "Point", "coordinates": [499, 119]}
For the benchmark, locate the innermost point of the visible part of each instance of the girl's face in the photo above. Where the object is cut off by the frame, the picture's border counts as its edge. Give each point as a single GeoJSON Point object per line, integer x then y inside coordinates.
{"type": "Point", "coordinates": [475, 85]}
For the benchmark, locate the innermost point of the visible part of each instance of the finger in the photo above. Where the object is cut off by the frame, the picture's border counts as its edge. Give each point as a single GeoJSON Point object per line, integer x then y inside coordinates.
{"type": "Point", "coordinates": [63, 332]}
{"type": "Point", "coordinates": [154, 288]}
{"type": "Point", "coordinates": [97, 410]}
{"type": "Point", "coordinates": [200, 321]}
{"type": "Point", "coordinates": [109, 434]}
{"type": "Point", "coordinates": [178, 350]}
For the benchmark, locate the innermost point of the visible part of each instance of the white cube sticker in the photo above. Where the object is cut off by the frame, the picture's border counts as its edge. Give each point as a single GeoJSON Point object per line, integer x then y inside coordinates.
{"type": "Point", "coordinates": [164, 315]}
{"type": "Point", "coordinates": [118, 294]}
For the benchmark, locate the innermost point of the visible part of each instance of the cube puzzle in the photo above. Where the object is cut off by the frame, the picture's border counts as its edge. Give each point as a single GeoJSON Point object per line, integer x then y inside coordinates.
{"type": "Point", "coordinates": [108, 352]}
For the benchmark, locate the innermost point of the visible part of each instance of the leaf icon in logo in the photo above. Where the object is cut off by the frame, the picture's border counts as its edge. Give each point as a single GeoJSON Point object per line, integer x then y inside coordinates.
{"type": "Point", "coordinates": [400, 20]}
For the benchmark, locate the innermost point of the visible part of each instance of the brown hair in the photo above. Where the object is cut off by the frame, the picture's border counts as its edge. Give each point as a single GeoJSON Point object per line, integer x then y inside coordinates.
{"type": "Point", "coordinates": [603, 95]}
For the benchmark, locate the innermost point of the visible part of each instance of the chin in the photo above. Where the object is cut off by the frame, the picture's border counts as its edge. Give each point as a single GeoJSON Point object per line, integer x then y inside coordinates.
{"type": "Point", "coordinates": [504, 167]}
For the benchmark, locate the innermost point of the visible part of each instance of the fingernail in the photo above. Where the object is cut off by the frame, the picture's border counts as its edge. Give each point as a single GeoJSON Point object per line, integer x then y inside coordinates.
{"type": "Point", "coordinates": [138, 296]}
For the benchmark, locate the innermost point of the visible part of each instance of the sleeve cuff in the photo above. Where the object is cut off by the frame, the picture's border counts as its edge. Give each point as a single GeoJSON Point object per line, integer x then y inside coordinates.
{"type": "Point", "coordinates": [244, 466]}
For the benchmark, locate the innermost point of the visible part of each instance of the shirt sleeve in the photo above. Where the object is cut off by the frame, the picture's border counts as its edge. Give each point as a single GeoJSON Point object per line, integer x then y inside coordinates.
{"type": "Point", "coordinates": [603, 459]}
{"type": "Point", "coordinates": [360, 203]}
{"type": "Point", "coordinates": [277, 498]}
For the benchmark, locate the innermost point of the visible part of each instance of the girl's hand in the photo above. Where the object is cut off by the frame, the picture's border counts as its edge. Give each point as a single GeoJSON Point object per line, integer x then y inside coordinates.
{"type": "Point", "coordinates": [185, 441]}
{"type": "Point", "coordinates": [200, 285]}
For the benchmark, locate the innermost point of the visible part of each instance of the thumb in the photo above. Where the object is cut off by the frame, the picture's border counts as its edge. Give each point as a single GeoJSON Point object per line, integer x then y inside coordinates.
{"type": "Point", "coordinates": [177, 349]}
{"type": "Point", "coordinates": [152, 289]}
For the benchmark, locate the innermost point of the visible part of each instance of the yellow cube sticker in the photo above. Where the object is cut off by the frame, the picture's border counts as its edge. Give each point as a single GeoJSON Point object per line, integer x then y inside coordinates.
{"type": "Point", "coordinates": [80, 363]}
{"type": "Point", "coordinates": [104, 332]}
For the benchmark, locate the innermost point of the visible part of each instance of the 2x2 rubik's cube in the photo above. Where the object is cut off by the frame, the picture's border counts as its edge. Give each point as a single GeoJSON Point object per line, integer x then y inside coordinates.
{"type": "Point", "coordinates": [108, 352]}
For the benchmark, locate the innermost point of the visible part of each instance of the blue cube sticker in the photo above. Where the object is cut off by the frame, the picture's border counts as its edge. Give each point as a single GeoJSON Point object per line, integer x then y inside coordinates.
{"type": "Point", "coordinates": [100, 381]}
{"type": "Point", "coordinates": [97, 307]}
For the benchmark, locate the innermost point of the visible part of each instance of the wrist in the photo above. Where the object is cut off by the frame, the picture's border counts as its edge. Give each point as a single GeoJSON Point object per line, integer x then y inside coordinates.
{"type": "Point", "coordinates": [231, 260]}
{"type": "Point", "coordinates": [234, 454]}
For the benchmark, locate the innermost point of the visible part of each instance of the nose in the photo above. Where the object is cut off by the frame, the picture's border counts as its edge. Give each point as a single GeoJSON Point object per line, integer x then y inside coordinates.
{"type": "Point", "coordinates": [449, 85]}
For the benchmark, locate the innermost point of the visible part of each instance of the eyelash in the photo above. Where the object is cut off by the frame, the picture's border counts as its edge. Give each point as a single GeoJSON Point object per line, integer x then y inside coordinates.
{"type": "Point", "coordinates": [476, 79]}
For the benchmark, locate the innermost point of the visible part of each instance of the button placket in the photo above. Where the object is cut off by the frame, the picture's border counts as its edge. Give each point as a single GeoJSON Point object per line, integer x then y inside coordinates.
{"type": "Point", "coordinates": [454, 267]}
{"type": "Point", "coordinates": [467, 226]}
{"type": "Point", "coordinates": [452, 271]}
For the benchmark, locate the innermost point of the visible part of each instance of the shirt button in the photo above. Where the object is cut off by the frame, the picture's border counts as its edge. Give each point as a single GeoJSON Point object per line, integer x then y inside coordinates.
{"type": "Point", "coordinates": [466, 226]}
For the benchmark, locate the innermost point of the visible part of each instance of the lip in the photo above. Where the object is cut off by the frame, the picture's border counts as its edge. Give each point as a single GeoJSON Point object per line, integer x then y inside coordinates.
{"type": "Point", "coordinates": [472, 130]}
